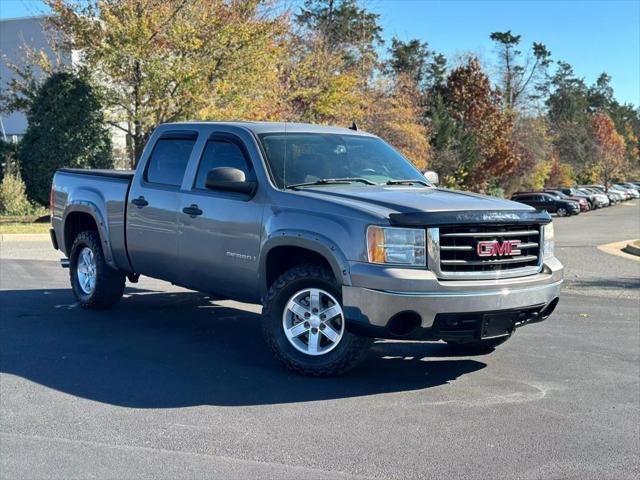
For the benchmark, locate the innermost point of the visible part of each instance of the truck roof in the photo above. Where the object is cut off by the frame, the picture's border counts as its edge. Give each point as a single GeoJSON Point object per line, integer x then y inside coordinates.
{"type": "Point", "coordinates": [279, 127]}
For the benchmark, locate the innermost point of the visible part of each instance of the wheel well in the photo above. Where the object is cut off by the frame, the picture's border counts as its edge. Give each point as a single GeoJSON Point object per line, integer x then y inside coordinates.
{"type": "Point", "coordinates": [75, 223]}
{"type": "Point", "coordinates": [281, 259]}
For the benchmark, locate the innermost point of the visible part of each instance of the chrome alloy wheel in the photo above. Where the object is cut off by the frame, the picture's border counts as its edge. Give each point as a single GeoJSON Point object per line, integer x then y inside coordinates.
{"type": "Point", "coordinates": [313, 321]}
{"type": "Point", "coordinates": [86, 270]}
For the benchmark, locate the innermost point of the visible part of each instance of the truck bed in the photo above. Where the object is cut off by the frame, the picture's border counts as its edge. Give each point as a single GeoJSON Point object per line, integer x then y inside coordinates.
{"type": "Point", "coordinates": [103, 195]}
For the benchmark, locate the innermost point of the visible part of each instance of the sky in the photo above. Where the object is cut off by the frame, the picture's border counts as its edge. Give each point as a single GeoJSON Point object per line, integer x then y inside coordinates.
{"type": "Point", "coordinates": [593, 36]}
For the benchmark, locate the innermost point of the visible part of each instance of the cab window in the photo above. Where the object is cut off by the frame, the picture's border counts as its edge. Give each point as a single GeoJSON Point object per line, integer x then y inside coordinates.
{"type": "Point", "coordinates": [169, 160]}
{"type": "Point", "coordinates": [221, 153]}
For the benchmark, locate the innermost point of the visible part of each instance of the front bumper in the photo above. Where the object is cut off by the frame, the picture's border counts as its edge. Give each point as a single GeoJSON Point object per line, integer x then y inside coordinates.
{"type": "Point", "coordinates": [388, 302]}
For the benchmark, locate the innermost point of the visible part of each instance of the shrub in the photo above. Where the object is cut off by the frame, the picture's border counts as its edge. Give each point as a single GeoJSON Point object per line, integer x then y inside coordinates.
{"type": "Point", "coordinates": [8, 154]}
{"type": "Point", "coordinates": [66, 129]}
{"type": "Point", "coordinates": [13, 196]}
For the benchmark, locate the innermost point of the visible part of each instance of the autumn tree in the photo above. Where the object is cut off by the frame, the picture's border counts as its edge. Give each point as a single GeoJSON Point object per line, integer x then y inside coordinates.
{"type": "Point", "coordinates": [158, 61]}
{"type": "Point", "coordinates": [518, 75]}
{"type": "Point", "coordinates": [475, 107]}
{"type": "Point", "coordinates": [320, 87]}
{"type": "Point", "coordinates": [610, 148]}
{"type": "Point", "coordinates": [532, 139]}
{"type": "Point", "coordinates": [560, 174]}
{"type": "Point", "coordinates": [395, 114]}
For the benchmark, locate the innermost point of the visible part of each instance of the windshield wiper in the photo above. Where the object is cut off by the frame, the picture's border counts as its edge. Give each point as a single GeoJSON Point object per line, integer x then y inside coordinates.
{"type": "Point", "coordinates": [408, 182]}
{"type": "Point", "coordinates": [332, 181]}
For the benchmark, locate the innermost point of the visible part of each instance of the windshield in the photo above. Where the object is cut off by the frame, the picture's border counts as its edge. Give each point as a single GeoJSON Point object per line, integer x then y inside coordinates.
{"type": "Point", "coordinates": [296, 158]}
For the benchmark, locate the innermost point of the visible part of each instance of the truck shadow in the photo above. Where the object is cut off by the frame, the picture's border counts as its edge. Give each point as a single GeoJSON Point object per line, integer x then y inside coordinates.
{"type": "Point", "coordinates": [166, 350]}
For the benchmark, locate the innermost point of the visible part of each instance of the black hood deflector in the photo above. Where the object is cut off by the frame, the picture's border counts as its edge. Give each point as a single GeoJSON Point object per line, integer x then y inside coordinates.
{"type": "Point", "coordinates": [482, 217]}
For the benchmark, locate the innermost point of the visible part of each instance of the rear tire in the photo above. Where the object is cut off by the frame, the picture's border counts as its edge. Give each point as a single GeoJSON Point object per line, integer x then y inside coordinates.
{"type": "Point", "coordinates": [297, 351]}
{"type": "Point", "coordinates": [478, 346]}
{"type": "Point", "coordinates": [95, 284]}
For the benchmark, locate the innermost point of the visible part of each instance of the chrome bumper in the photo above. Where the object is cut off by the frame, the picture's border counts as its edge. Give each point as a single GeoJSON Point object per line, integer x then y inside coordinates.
{"type": "Point", "coordinates": [378, 293]}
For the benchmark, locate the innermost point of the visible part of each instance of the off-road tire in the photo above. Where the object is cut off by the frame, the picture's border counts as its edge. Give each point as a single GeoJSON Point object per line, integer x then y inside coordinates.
{"type": "Point", "coordinates": [346, 355]}
{"type": "Point", "coordinates": [109, 285]}
{"type": "Point", "coordinates": [478, 346]}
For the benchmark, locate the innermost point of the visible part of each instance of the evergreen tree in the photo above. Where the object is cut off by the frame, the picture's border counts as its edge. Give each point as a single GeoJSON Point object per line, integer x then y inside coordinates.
{"type": "Point", "coordinates": [65, 129]}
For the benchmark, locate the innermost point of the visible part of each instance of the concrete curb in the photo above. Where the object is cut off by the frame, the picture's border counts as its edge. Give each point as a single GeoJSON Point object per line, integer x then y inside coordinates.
{"type": "Point", "coordinates": [618, 249]}
{"type": "Point", "coordinates": [24, 237]}
{"type": "Point", "coordinates": [632, 249]}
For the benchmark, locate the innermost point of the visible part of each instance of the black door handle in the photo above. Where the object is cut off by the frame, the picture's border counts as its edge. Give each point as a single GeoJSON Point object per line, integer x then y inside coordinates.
{"type": "Point", "coordinates": [192, 211]}
{"type": "Point", "coordinates": [140, 202]}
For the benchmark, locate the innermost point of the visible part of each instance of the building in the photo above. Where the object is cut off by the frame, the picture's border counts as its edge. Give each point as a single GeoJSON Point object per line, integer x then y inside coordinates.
{"type": "Point", "coordinates": [18, 36]}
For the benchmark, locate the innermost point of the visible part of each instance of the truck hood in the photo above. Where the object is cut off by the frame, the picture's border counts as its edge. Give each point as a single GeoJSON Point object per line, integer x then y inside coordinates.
{"type": "Point", "coordinates": [422, 205]}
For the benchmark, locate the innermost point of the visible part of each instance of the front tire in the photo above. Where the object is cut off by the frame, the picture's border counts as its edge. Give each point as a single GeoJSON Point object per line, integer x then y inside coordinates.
{"type": "Point", "coordinates": [562, 212]}
{"type": "Point", "coordinates": [304, 324]}
{"type": "Point", "coordinates": [95, 284]}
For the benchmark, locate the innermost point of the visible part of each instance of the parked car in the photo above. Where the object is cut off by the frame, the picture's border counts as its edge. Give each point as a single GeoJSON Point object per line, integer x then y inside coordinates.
{"type": "Point", "coordinates": [596, 200]}
{"type": "Point", "coordinates": [337, 235]}
{"type": "Point", "coordinates": [631, 185]}
{"type": "Point", "coordinates": [546, 202]}
{"type": "Point", "coordinates": [622, 193]}
{"type": "Point", "coordinates": [582, 201]}
{"type": "Point", "coordinates": [632, 192]}
{"type": "Point", "coordinates": [613, 197]}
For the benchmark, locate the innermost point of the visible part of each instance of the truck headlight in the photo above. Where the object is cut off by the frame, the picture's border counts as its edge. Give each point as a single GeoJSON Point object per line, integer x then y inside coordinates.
{"type": "Point", "coordinates": [547, 239]}
{"type": "Point", "coordinates": [399, 246]}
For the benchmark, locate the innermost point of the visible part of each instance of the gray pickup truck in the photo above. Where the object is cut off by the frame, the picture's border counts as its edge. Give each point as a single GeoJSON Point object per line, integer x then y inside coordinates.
{"type": "Point", "coordinates": [336, 234]}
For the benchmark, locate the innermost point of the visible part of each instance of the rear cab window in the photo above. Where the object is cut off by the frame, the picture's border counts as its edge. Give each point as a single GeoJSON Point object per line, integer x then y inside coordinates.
{"type": "Point", "coordinates": [169, 159]}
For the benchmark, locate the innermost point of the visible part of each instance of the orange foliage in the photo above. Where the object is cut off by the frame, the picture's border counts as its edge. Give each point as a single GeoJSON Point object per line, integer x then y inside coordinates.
{"type": "Point", "coordinates": [476, 106]}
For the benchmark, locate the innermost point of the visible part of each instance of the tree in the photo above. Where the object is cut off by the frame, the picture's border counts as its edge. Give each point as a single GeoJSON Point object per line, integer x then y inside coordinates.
{"type": "Point", "coordinates": [533, 142]}
{"type": "Point", "coordinates": [321, 88]}
{"type": "Point", "coordinates": [475, 107]}
{"type": "Point", "coordinates": [568, 112]}
{"type": "Point", "coordinates": [395, 114]}
{"type": "Point", "coordinates": [610, 147]}
{"type": "Point", "coordinates": [518, 76]}
{"type": "Point", "coordinates": [436, 73]}
{"type": "Point", "coordinates": [560, 174]}
{"type": "Point", "coordinates": [346, 28]}
{"type": "Point", "coordinates": [157, 61]}
{"type": "Point", "coordinates": [567, 100]}
{"type": "Point", "coordinates": [66, 128]}
{"type": "Point", "coordinates": [409, 59]}
{"type": "Point", "coordinates": [600, 94]}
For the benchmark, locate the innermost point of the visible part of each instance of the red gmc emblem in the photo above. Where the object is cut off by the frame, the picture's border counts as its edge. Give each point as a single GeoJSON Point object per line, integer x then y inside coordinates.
{"type": "Point", "coordinates": [493, 248]}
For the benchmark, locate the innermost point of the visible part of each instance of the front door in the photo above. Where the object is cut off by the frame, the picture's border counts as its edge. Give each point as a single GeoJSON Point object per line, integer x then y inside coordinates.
{"type": "Point", "coordinates": [154, 201]}
{"type": "Point", "coordinates": [220, 231]}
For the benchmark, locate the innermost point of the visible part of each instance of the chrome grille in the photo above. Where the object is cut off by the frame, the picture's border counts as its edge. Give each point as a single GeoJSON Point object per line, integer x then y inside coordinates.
{"type": "Point", "coordinates": [454, 251]}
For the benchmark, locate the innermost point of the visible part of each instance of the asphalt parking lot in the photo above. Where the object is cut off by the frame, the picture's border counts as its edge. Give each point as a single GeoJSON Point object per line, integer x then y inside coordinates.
{"type": "Point", "coordinates": [171, 384]}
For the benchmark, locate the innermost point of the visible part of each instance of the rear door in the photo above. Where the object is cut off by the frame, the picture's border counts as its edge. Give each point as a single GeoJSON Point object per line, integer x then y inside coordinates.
{"type": "Point", "coordinates": [219, 245]}
{"type": "Point", "coordinates": [154, 201]}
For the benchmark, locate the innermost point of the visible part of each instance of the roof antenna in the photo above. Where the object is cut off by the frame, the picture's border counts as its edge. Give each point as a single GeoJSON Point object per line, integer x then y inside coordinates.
{"type": "Point", "coordinates": [353, 126]}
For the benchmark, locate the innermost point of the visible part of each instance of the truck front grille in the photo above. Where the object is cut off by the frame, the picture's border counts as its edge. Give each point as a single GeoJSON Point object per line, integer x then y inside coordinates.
{"type": "Point", "coordinates": [486, 251]}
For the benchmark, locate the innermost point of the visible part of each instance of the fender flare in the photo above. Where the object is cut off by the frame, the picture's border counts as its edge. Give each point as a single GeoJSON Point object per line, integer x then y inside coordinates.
{"type": "Point", "coordinates": [310, 241]}
{"type": "Point", "coordinates": [88, 207]}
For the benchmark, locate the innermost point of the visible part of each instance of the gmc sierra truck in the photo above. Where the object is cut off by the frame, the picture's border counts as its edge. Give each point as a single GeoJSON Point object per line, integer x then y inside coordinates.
{"type": "Point", "coordinates": [335, 233]}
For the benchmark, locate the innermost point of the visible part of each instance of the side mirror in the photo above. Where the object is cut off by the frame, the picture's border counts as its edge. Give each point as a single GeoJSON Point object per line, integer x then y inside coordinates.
{"type": "Point", "coordinates": [432, 176]}
{"type": "Point", "coordinates": [229, 179]}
